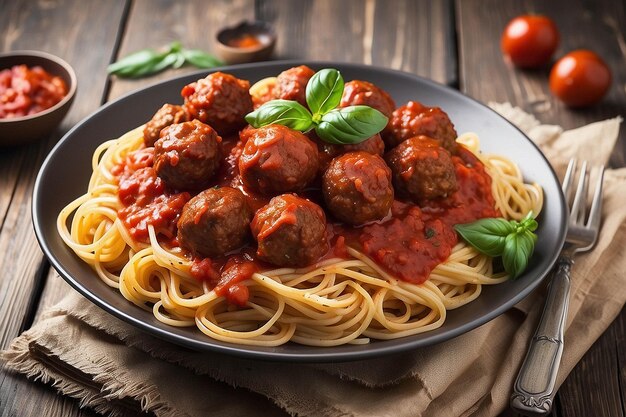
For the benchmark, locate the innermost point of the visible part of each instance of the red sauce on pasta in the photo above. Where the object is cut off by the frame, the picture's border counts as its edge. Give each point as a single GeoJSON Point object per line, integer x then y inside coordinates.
{"type": "Point", "coordinates": [409, 244]}
{"type": "Point", "coordinates": [145, 199]}
{"type": "Point", "coordinates": [226, 275]}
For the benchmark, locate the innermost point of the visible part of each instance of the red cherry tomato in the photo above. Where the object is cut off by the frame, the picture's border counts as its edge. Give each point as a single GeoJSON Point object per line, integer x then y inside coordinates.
{"type": "Point", "coordinates": [529, 41]}
{"type": "Point", "coordinates": [580, 78]}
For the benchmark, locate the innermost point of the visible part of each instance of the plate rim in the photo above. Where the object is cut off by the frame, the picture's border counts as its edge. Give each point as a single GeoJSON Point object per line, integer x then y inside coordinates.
{"type": "Point", "coordinates": [244, 351]}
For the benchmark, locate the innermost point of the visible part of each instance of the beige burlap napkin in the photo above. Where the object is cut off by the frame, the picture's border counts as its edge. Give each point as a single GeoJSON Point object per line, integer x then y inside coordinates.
{"type": "Point", "coordinates": [87, 354]}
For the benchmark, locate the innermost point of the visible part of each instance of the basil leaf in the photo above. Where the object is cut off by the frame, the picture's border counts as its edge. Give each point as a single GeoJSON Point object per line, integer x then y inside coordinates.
{"type": "Point", "coordinates": [529, 223]}
{"type": "Point", "coordinates": [201, 59]}
{"type": "Point", "coordinates": [180, 60]}
{"type": "Point", "coordinates": [283, 112]}
{"type": "Point", "coordinates": [324, 91]}
{"type": "Point", "coordinates": [134, 61]}
{"type": "Point", "coordinates": [175, 46]}
{"type": "Point", "coordinates": [150, 61]}
{"type": "Point", "coordinates": [518, 249]}
{"type": "Point", "coordinates": [161, 65]}
{"type": "Point", "coordinates": [350, 125]}
{"type": "Point", "coordinates": [486, 235]}
{"type": "Point", "coordinates": [152, 67]}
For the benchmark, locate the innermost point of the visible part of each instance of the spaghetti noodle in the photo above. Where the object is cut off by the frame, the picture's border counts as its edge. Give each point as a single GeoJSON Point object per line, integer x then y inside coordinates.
{"type": "Point", "coordinates": [334, 302]}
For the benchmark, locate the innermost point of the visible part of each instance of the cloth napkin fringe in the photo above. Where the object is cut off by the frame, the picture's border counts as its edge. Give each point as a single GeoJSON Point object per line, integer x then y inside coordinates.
{"type": "Point", "coordinates": [109, 383]}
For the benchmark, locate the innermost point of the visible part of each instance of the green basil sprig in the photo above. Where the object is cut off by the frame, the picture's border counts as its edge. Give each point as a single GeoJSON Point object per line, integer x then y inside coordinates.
{"type": "Point", "coordinates": [512, 240]}
{"type": "Point", "coordinates": [283, 112]}
{"type": "Point", "coordinates": [347, 125]}
{"type": "Point", "coordinates": [151, 61]}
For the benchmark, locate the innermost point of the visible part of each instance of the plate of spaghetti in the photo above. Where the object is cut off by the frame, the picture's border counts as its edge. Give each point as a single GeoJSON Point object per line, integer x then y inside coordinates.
{"type": "Point", "coordinates": [298, 211]}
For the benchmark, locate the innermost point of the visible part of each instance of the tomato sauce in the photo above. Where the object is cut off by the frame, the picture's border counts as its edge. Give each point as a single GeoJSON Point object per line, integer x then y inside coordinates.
{"type": "Point", "coordinates": [145, 199]}
{"type": "Point", "coordinates": [245, 40]}
{"type": "Point", "coordinates": [25, 91]}
{"type": "Point", "coordinates": [416, 239]}
{"type": "Point", "coordinates": [408, 244]}
{"type": "Point", "coordinates": [226, 274]}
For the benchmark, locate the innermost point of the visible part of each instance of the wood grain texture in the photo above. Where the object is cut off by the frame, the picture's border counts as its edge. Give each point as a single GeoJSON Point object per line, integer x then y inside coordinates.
{"type": "Point", "coordinates": [43, 26]}
{"type": "Point", "coordinates": [413, 36]}
{"type": "Point", "coordinates": [484, 74]}
{"type": "Point", "coordinates": [597, 382]}
{"type": "Point", "coordinates": [47, 29]}
{"type": "Point", "coordinates": [195, 23]}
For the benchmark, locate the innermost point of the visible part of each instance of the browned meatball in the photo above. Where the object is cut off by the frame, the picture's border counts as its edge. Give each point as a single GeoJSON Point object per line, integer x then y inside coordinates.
{"type": "Point", "coordinates": [328, 151]}
{"type": "Point", "coordinates": [373, 145]}
{"type": "Point", "coordinates": [167, 115]}
{"type": "Point", "coordinates": [215, 222]}
{"type": "Point", "coordinates": [290, 231]}
{"type": "Point", "coordinates": [277, 159]}
{"type": "Point", "coordinates": [422, 169]}
{"type": "Point", "coordinates": [187, 155]}
{"type": "Point", "coordinates": [414, 119]}
{"type": "Point", "coordinates": [291, 84]}
{"type": "Point", "coordinates": [219, 100]}
{"type": "Point", "coordinates": [363, 93]}
{"type": "Point", "coordinates": [357, 188]}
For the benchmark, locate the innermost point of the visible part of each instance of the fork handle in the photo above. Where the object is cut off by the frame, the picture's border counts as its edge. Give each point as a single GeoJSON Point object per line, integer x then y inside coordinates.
{"type": "Point", "coordinates": [534, 391]}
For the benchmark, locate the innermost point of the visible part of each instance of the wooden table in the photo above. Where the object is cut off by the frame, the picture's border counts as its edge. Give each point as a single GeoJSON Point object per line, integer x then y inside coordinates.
{"type": "Point", "coordinates": [452, 43]}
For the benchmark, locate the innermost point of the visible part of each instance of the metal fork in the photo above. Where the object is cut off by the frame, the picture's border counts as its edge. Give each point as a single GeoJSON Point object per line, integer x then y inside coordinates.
{"type": "Point", "coordinates": [534, 391]}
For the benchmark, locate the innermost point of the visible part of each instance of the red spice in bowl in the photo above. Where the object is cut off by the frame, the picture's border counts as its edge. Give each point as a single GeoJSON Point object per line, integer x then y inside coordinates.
{"type": "Point", "coordinates": [36, 92]}
{"type": "Point", "coordinates": [25, 91]}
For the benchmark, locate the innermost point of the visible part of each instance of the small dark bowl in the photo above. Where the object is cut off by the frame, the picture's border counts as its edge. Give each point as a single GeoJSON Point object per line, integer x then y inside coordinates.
{"type": "Point", "coordinates": [20, 130]}
{"type": "Point", "coordinates": [238, 55]}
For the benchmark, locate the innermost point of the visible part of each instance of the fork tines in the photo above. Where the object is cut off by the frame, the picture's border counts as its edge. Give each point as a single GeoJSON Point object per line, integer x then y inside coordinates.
{"type": "Point", "coordinates": [578, 210]}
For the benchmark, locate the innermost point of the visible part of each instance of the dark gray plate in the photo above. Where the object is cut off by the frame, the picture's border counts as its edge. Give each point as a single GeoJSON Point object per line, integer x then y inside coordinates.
{"type": "Point", "coordinates": [65, 174]}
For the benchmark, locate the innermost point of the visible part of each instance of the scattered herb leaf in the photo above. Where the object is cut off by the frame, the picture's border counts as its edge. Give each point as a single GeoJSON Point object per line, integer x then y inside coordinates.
{"type": "Point", "coordinates": [151, 61]}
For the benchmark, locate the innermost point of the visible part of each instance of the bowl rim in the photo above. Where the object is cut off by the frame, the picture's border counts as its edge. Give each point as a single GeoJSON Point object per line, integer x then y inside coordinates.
{"type": "Point", "coordinates": [57, 60]}
{"type": "Point", "coordinates": [266, 27]}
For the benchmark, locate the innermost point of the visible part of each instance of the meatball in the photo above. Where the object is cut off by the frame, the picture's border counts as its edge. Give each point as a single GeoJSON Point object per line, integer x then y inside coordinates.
{"type": "Point", "coordinates": [187, 155]}
{"type": "Point", "coordinates": [363, 93]}
{"type": "Point", "coordinates": [414, 119]}
{"type": "Point", "coordinates": [422, 169]}
{"type": "Point", "coordinates": [328, 151]}
{"type": "Point", "coordinates": [219, 100]}
{"type": "Point", "coordinates": [357, 188]}
{"type": "Point", "coordinates": [167, 115]}
{"type": "Point", "coordinates": [373, 145]}
{"type": "Point", "coordinates": [291, 84]}
{"type": "Point", "coordinates": [215, 222]}
{"type": "Point", "coordinates": [277, 159]}
{"type": "Point", "coordinates": [290, 231]}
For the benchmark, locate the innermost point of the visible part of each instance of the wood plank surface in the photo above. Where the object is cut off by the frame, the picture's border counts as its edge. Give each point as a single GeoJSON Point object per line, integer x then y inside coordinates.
{"type": "Point", "coordinates": [413, 36]}
{"type": "Point", "coordinates": [597, 381]}
{"type": "Point", "coordinates": [152, 24]}
{"type": "Point", "coordinates": [596, 385]}
{"type": "Point", "coordinates": [42, 26]}
{"type": "Point", "coordinates": [484, 74]}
